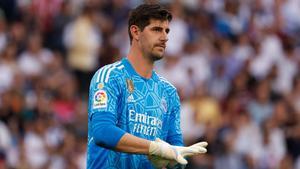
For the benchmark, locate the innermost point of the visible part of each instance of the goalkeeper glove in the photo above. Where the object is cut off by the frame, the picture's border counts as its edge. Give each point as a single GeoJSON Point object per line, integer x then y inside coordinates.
{"type": "Point", "coordinates": [176, 153]}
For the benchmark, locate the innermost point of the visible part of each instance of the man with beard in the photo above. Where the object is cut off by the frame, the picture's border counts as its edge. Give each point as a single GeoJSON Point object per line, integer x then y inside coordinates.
{"type": "Point", "coordinates": [132, 109]}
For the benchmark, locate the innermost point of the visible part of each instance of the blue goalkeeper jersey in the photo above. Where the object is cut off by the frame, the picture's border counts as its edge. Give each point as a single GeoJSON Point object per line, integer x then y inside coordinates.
{"type": "Point", "coordinates": [146, 108]}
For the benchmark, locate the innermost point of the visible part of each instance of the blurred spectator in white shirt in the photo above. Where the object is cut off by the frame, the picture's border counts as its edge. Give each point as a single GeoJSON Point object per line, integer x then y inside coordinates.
{"type": "Point", "coordinates": [273, 147]}
{"type": "Point", "coordinates": [8, 67]}
{"type": "Point", "coordinates": [178, 35]}
{"type": "Point", "coordinates": [243, 51]}
{"type": "Point", "coordinates": [218, 86]}
{"type": "Point", "coordinates": [268, 52]}
{"type": "Point", "coordinates": [83, 40]}
{"type": "Point", "coordinates": [260, 107]}
{"type": "Point", "coordinates": [33, 60]}
{"type": "Point", "coordinates": [35, 145]}
{"type": "Point", "coordinates": [287, 70]}
{"type": "Point", "coordinates": [196, 62]}
{"type": "Point", "coordinates": [246, 127]}
{"type": "Point", "coordinates": [290, 9]}
{"type": "Point", "coordinates": [5, 138]}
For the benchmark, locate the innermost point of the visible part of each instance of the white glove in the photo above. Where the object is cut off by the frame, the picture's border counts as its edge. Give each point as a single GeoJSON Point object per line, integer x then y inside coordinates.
{"type": "Point", "coordinates": [173, 153]}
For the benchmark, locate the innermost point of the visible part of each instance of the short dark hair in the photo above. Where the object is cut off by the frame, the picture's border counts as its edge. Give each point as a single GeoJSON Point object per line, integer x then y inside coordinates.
{"type": "Point", "coordinates": [141, 15]}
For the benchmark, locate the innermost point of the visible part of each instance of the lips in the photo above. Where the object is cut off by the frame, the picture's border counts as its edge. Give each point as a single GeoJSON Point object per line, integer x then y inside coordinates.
{"type": "Point", "coordinates": [162, 46]}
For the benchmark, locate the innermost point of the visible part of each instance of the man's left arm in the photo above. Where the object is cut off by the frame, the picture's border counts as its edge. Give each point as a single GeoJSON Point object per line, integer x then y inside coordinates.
{"type": "Point", "coordinates": [175, 140]}
{"type": "Point", "coordinates": [174, 136]}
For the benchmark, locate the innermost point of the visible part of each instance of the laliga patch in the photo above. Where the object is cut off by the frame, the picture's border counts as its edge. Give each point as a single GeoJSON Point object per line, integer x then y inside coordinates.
{"type": "Point", "coordinates": [100, 99]}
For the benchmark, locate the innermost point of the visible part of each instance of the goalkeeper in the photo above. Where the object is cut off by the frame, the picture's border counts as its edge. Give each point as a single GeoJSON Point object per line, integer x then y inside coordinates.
{"type": "Point", "coordinates": [132, 109]}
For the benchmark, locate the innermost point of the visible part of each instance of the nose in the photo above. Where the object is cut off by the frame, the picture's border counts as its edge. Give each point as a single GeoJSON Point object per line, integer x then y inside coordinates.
{"type": "Point", "coordinates": [164, 37]}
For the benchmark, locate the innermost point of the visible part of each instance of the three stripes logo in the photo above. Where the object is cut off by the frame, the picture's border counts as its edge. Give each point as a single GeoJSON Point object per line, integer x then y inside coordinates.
{"type": "Point", "coordinates": [104, 73]}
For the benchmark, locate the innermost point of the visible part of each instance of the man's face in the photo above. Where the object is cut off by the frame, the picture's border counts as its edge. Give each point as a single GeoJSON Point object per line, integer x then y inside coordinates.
{"type": "Point", "coordinates": [153, 39]}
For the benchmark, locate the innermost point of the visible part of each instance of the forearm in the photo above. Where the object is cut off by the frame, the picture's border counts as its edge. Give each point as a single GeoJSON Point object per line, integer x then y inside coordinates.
{"type": "Point", "coordinates": [132, 144]}
{"type": "Point", "coordinates": [107, 134]}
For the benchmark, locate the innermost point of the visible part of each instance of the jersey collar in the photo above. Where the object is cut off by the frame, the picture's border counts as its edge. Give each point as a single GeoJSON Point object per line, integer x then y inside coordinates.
{"type": "Point", "coordinates": [132, 71]}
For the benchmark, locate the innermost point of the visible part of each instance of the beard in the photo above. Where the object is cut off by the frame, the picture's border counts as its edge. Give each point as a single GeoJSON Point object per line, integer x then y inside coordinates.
{"type": "Point", "coordinates": [154, 54]}
{"type": "Point", "coordinates": [155, 57]}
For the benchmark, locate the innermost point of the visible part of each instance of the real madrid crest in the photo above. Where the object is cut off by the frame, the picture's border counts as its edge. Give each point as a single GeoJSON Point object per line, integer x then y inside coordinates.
{"type": "Point", "coordinates": [130, 85]}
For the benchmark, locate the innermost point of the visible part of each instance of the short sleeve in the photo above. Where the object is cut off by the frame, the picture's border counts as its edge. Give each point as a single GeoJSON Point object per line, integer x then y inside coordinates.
{"type": "Point", "coordinates": [103, 94]}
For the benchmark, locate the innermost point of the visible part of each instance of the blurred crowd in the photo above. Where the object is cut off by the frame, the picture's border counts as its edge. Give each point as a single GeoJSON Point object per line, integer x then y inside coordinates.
{"type": "Point", "coordinates": [235, 64]}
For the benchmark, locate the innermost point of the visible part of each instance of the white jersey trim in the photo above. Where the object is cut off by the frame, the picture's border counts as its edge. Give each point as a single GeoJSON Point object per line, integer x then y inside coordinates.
{"type": "Point", "coordinates": [104, 73]}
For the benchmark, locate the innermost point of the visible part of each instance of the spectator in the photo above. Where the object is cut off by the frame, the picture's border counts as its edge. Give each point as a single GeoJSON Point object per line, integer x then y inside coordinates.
{"type": "Point", "coordinates": [83, 42]}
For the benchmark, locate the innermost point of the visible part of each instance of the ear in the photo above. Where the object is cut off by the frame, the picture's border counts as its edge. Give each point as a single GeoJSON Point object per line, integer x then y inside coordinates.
{"type": "Point", "coordinates": [135, 31]}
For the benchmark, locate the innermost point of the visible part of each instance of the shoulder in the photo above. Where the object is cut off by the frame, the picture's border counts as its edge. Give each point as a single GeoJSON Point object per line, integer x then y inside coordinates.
{"type": "Point", "coordinates": [170, 91]}
{"type": "Point", "coordinates": [166, 84]}
{"type": "Point", "coordinates": [109, 72]}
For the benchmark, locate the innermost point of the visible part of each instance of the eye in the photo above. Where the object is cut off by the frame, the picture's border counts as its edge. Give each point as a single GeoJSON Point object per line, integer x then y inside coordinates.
{"type": "Point", "coordinates": [156, 29]}
{"type": "Point", "coordinates": [167, 31]}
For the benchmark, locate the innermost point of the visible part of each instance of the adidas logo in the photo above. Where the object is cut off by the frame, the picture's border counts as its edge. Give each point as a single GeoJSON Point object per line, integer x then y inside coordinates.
{"type": "Point", "coordinates": [130, 99]}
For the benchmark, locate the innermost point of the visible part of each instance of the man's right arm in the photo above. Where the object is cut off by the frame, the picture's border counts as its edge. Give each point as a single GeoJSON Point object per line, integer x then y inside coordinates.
{"type": "Point", "coordinates": [105, 96]}
{"type": "Point", "coordinates": [108, 135]}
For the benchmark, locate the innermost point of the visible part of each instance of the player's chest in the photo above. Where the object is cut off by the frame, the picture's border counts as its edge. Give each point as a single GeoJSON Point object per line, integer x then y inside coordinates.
{"type": "Point", "coordinates": [145, 96]}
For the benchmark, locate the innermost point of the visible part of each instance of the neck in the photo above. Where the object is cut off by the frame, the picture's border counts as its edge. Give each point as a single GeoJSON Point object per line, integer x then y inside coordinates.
{"type": "Point", "coordinates": [141, 64]}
